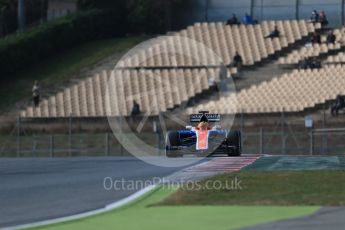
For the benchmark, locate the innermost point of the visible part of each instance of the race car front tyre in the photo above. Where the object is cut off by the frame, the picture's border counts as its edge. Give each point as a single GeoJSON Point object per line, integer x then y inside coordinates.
{"type": "Point", "coordinates": [234, 140]}
{"type": "Point", "coordinates": [172, 143]}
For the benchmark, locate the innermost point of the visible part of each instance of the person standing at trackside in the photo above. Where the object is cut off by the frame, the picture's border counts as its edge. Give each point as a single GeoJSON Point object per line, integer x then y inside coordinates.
{"type": "Point", "coordinates": [36, 94]}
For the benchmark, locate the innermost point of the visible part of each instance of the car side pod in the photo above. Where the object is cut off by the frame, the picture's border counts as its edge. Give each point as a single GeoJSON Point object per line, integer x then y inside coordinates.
{"type": "Point", "coordinates": [172, 144]}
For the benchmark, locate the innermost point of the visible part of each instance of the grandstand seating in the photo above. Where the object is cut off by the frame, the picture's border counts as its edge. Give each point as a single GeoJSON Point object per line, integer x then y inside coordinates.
{"type": "Point", "coordinates": [338, 58]}
{"type": "Point", "coordinates": [293, 92]}
{"type": "Point", "coordinates": [178, 70]}
{"type": "Point", "coordinates": [315, 50]}
{"type": "Point", "coordinates": [112, 93]}
{"type": "Point", "coordinates": [222, 39]}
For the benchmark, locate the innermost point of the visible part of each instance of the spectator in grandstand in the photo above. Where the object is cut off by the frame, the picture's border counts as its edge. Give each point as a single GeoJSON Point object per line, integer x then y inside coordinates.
{"type": "Point", "coordinates": [338, 105]}
{"type": "Point", "coordinates": [331, 37]}
{"type": "Point", "coordinates": [308, 63]}
{"type": "Point", "coordinates": [315, 63]}
{"type": "Point", "coordinates": [304, 64]}
{"type": "Point", "coordinates": [274, 34]}
{"type": "Point", "coordinates": [237, 60]}
{"type": "Point", "coordinates": [248, 20]}
{"type": "Point", "coordinates": [36, 93]}
{"type": "Point", "coordinates": [316, 38]}
{"type": "Point", "coordinates": [233, 20]}
{"type": "Point", "coordinates": [211, 82]}
{"type": "Point", "coordinates": [135, 109]}
{"type": "Point", "coordinates": [314, 17]}
{"type": "Point", "coordinates": [323, 18]}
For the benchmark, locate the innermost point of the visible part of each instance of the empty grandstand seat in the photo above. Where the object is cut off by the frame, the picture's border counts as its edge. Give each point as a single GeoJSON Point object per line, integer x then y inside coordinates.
{"type": "Point", "coordinates": [294, 92]}
{"type": "Point", "coordinates": [112, 93]}
{"type": "Point", "coordinates": [223, 40]}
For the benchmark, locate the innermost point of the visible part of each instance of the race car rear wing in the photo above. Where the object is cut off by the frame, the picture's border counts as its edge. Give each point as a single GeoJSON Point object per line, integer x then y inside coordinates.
{"type": "Point", "coordinates": [210, 117]}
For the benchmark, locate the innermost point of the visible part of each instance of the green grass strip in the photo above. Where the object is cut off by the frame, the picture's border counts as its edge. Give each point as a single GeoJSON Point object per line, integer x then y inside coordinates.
{"type": "Point", "coordinates": [275, 188]}
{"type": "Point", "coordinates": [297, 163]}
{"type": "Point", "coordinates": [141, 215]}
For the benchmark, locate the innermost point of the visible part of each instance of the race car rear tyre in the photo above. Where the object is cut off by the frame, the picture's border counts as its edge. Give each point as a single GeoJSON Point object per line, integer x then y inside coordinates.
{"type": "Point", "coordinates": [173, 153]}
{"type": "Point", "coordinates": [234, 139]}
{"type": "Point", "coordinates": [172, 143]}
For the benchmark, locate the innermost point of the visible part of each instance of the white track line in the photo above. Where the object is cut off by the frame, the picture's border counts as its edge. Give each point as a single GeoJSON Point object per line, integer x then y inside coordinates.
{"type": "Point", "coordinates": [107, 208]}
{"type": "Point", "coordinates": [216, 165]}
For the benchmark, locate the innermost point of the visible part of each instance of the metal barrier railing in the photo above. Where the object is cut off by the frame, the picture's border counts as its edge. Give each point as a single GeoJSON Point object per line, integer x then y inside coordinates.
{"type": "Point", "coordinates": [318, 141]}
{"type": "Point", "coordinates": [325, 135]}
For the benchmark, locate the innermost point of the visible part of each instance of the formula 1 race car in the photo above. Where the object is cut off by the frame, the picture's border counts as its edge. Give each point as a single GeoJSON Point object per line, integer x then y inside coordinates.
{"type": "Point", "coordinates": [203, 139]}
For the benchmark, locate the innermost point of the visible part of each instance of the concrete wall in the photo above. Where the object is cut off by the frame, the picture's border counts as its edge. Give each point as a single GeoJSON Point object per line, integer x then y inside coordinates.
{"type": "Point", "coordinates": [60, 8]}
{"type": "Point", "coordinates": [221, 10]}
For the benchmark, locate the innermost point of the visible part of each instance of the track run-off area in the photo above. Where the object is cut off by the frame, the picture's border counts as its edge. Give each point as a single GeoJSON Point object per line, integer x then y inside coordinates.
{"type": "Point", "coordinates": [36, 189]}
{"type": "Point", "coordinates": [39, 189]}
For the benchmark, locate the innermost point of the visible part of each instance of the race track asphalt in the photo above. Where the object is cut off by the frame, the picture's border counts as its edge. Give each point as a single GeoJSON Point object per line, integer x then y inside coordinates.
{"type": "Point", "coordinates": [33, 190]}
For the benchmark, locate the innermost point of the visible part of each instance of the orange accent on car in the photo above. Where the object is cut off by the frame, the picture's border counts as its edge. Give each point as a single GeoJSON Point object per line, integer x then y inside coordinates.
{"type": "Point", "coordinates": [201, 139]}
